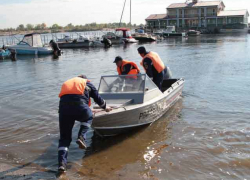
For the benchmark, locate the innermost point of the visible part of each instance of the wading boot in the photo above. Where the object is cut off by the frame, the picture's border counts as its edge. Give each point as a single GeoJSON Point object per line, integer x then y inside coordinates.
{"type": "Point", "coordinates": [82, 145]}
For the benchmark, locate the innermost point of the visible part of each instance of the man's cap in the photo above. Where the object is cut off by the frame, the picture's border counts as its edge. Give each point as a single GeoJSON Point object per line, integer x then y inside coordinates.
{"type": "Point", "coordinates": [83, 76]}
{"type": "Point", "coordinates": [117, 59]}
{"type": "Point", "coordinates": [142, 50]}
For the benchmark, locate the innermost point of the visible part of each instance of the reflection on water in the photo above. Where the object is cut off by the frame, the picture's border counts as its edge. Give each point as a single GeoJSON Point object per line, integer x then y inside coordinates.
{"type": "Point", "coordinates": [206, 135]}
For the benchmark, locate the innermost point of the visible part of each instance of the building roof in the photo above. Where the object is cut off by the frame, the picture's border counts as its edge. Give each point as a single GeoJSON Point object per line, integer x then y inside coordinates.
{"type": "Point", "coordinates": [233, 13]}
{"type": "Point", "coordinates": [198, 4]}
{"type": "Point", "coordinates": [156, 16]}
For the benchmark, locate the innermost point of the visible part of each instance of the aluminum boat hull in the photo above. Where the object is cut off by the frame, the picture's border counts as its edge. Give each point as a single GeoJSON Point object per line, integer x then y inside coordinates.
{"type": "Point", "coordinates": [134, 116]}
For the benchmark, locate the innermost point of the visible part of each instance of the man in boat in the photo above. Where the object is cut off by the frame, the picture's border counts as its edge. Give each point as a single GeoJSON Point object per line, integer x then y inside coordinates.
{"type": "Point", "coordinates": [125, 67]}
{"type": "Point", "coordinates": [74, 106]}
{"type": "Point", "coordinates": [154, 66]}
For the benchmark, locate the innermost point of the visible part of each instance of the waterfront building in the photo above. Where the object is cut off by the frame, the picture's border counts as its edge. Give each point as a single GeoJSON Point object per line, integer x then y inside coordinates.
{"type": "Point", "coordinates": [197, 14]}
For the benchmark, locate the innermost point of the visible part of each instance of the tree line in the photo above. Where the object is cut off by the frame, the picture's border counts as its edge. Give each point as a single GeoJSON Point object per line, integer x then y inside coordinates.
{"type": "Point", "coordinates": [69, 27]}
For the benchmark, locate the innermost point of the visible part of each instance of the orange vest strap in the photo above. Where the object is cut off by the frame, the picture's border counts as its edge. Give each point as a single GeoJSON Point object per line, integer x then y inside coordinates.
{"type": "Point", "coordinates": [156, 60]}
{"type": "Point", "coordinates": [90, 102]}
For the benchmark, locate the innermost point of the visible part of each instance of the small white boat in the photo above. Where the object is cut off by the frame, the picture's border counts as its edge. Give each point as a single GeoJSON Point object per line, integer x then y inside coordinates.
{"type": "Point", "coordinates": [113, 38]}
{"type": "Point", "coordinates": [121, 35]}
{"type": "Point", "coordinates": [136, 102]}
{"type": "Point", "coordinates": [126, 35]}
{"type": "Point", "coordinates": [66, 38]}
{"type": "Point", "coordinates": [169, 32]}
{"type": "Point", "coordinates": [193, 33]}
{"type": "Point", "coordinates": [144, 37]}
{"type": "Point", "coordinates": [85, 42]}
{"type": "Point", "coordinates": [4, 53]}
{"type": "Point", "coordinates": [31, 44]}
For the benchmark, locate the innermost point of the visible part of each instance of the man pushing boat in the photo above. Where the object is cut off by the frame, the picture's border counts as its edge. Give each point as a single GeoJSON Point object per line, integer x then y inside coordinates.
{"type": "Point", "coordinates": [74, 106]}
{"type": "Point", "coordinates": [154, 66]}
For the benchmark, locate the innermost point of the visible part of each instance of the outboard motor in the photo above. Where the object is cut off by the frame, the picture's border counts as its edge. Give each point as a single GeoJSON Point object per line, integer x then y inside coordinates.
{"type": "Point", "coordinates": [55, 47]}
{"type": "Point", "coordinates": [13, 54]}
{"type": "Point", "coordinates": [107, 42]}
{"type": "Point", "coordinates": [168, 73]}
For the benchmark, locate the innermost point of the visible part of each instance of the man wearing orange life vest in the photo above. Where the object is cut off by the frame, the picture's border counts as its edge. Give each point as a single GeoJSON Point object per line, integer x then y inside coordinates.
{"type": "Point", "coordinates": [74, 106]}
{"type": "Point", "coordinates": [125, 67]}
{"type": "Point", "coordinates": [153, 66]}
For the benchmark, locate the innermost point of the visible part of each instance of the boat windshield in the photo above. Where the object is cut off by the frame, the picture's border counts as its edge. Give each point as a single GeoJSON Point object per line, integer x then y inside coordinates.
{"type": "Point", "coordinates": [128, 34]}
{"type": "Point", "coordinates": [132, 88]}
{"type": "Point", "coordinates": [27, 40]}
{"type": "Point", "coordinates": [126, 84]}
{"type": "Point", "coordinates": [119, 33]}
{"type": "Point", "coordinates": [122, 84]}
{"type": "Point", "coordinates": [33, 40]}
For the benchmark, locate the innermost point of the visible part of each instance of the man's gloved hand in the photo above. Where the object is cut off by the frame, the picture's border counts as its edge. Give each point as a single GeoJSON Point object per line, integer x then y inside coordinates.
{"type": "Point", "coordinates": [108, 109]}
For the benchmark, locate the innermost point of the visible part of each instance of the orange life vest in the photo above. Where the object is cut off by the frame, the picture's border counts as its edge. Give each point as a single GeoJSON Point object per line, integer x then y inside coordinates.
{"type": "Point", "coordinates": [134, 70]}
{"type": "Point", "coordinates": [76, 86]}
{"type": "Point", "coordinates": [156, 60]}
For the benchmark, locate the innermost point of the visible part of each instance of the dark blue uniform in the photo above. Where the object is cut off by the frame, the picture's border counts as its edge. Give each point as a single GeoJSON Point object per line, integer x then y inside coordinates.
{"type": "Point", "coordinates": [75, 108]}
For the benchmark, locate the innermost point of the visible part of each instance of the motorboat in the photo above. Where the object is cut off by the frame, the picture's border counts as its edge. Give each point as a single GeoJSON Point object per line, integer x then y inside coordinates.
{"type": "Point", "coordinates": [144, 37]}
{"type": "Point", "coordinates": [31, 44]}
{"type": "Point", "coordinates": [121, 35]}
{"type": "Point", "coordinates": [4, 53]}
{"type": "Point", "coordinates": [136, 102]}
{"type": "Point", "coordinates": [76, 43]}
{"type": "Point", "coordinates": [141, 36]}
{"type": "Point", "coordinates": [66, 38]}
{"type": "Point", "coordinates": [125, 33]}
{"type": "Point", "coordinates": [86, 42]}
{"type": "Point", "coordinates": [193, 33]}
{"type": "Point", "coordinates": [101, 42]}
{"type": "Point", "coordinates": [113, 38]}
{"type": "Point", "coordinates": [170, 32]}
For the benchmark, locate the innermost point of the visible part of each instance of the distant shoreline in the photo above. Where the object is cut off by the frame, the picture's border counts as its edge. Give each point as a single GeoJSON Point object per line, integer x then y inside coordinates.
{"type": "Point", "coordinates": [5, 33]}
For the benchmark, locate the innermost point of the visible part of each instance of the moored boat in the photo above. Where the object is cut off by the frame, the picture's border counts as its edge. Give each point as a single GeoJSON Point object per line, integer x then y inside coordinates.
{"type": "Point", "coordinates": [31, 44]}
{"type": "Point", "coordinates": [113, 38]}
{"type": "Point", "coordinates": [144, 37]}
{"type": "Point", "coordinates": [84, 42]}
{"type": "Point", "coordinates": [4, 53]}
{"type": "Point", "coordinates": [66, 38]}
{"type": "Point", "coordinates": [170, 32]}
{"type": "Point", "coordinates": [121, 35]}
{"type": "Point", "coordinates": [193, 33]}
{"type": "Point", "coordinates": [74, 44]}
{"type": "Point", "coordinates": [136, 102]}
{"type": "Point", "coordinates": [125, 33]}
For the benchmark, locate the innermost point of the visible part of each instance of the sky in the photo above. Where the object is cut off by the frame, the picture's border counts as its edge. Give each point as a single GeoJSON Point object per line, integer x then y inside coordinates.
{"type": "Point", "coordinates": [63, 12]}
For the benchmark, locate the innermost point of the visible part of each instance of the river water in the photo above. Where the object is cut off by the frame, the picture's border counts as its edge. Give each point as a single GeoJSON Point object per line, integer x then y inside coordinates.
{"type": "Point", "coordinates": [206, 135]}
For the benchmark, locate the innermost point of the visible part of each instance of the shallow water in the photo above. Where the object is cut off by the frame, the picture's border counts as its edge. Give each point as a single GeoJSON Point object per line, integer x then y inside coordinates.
{"type": "Point", "coordinates": [206, 135]}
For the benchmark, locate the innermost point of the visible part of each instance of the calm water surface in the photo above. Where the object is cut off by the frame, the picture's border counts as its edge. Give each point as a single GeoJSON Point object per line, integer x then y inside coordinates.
{"type": "Point", "coordinates": [206, 135]}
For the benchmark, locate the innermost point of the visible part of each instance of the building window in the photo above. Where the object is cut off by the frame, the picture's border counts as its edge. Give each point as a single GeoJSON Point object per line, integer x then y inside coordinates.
{"type": "Point", "coordinates": [220, 21]}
